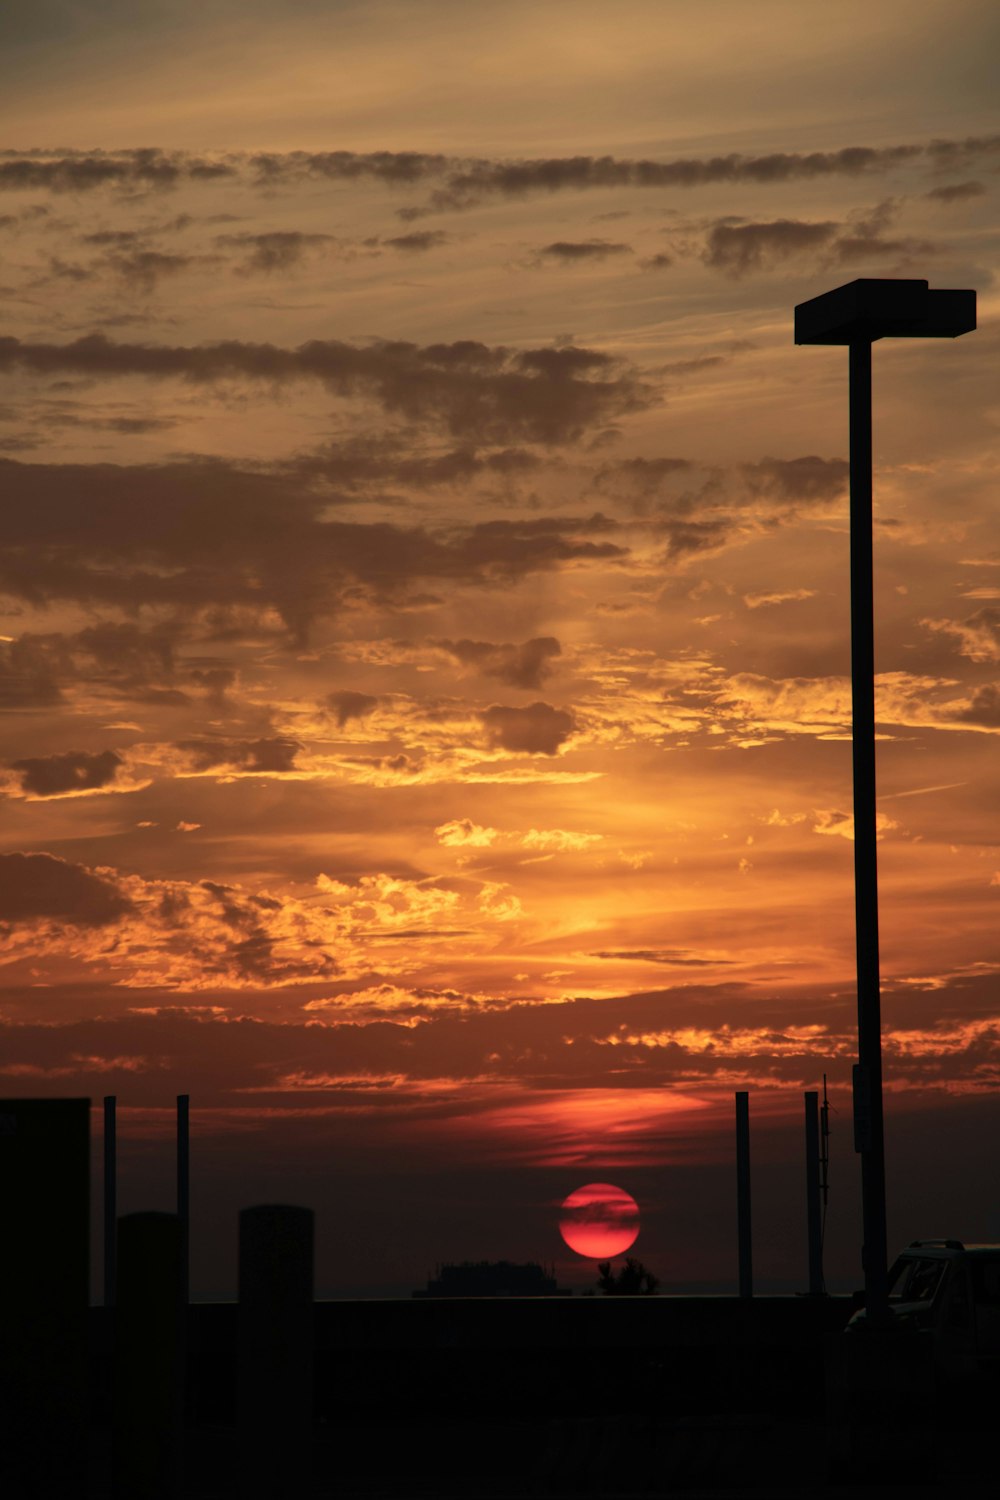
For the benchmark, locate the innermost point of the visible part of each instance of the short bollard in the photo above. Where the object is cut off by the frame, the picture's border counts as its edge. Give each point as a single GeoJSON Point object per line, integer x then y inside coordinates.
{"type": "Point", "coordinates": [275, 1350]}
{"type": "Point", "coordinates": [148, 1378]}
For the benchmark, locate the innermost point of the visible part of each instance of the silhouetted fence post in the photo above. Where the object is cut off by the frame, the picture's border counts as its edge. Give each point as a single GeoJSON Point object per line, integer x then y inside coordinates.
{"type": "Point", "coordinates": [149, 1354]}
{"type": "Point", "coordinates": [814, 1224]}
{"type": "Point", "coordinates": [110, 1197]}
{"type": "Point", "coordinates": [44, 1295]}
{"type": "Point", "coordinates": [743, 1193]}
{"type": "Point", "coordinates": [275, 1350]}
{"type": "Point", "coordinates": [184, 1192]}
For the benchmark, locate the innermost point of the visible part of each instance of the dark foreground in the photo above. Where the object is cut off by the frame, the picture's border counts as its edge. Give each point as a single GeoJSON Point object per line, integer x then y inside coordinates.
{"type": "Point", "coordinates": [524, 1397]}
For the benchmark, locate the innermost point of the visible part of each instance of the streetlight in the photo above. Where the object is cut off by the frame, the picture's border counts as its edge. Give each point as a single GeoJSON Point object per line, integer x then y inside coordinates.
{"type": "Point", "coordinates": [856, 315]}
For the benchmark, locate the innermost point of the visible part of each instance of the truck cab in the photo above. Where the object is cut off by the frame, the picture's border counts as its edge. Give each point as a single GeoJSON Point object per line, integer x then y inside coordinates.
{"type": "Point", "coordinates": [951, 1291]}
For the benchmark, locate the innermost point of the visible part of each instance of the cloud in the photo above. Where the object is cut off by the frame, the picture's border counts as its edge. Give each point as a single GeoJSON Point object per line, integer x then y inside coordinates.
{"type": "Point", "coordinates": [184, 934]}
{"type": "Point", "coordinates": [572, 252]}
{"type": "Point", "coordinates": [852, 249]}
{"type": "Point", "coordinates": [983, 707]}
{"type": "Point", "coordinates": [977, 637]}
{"type": "Point", "coordinates": [265, 757]}
{"type": "Point", "coordinates": [419, 241]}
{"type": "Point", "coordinates": [658, 485]}
{"type": "Point", "coordinates": [670, 957]}
{"type": "Point", "coordinates": [575, 1073]}
{"type": "Point", "coordinates": [141, 267]}
{"type": "Point", "coordinates": [390, 905]}
{"type": "Point", "coordinates": [476, 391]}
{"type": "Point", "coordinates": [187, 934]}
{"type": "Point", "coordinates": [790, 481]}
{"type": "Point", "coordinates": [276, 249]}
{"type": "Point", "coordinates": [71, 773]}
{"type": "Point", "coordinates": [378, 460]}
{"type": "Point", "coordinates": [537, 730]}
{"type": "Point", "coordinates": [514, 547]}
{"type": "Point", "coordinates": [841, 824]}
{"type": "Point", "coordinates": [759, 601]}
{"type": "Point", "coordinates": [41, 887]}
{"type": "Point", "coordinates": [560, 840]}
{"type": "Point", "coordinates": [523, 666]}
{"type": "Point", "coordinates": [347, 705]}
{"type": "Point", "coordinates": [112, 657]}
{"type": "Point", "coordinates": [127, 653]}
{"type": "Point", "coordinates": [738, 249]}
{"type": "Point", "coordinates": [466, 181]}
{"type": "Point", "coordinates": [28, 675]}
{"type": "Point", "coordinates": [388, 1002]}
{"type": "Point", "coordinates": [469, 184]}
{"type": "Point", "coordinates": [956, 192]}
{"type": "Point", "coordinates": [687, 538]}
{"type": "Point", "coordinates": [778, 819]}
{"type": "Point", "coordinates": [119, 238]}
{"type": "Point", "coordinates": [463, 833]}
{"type": "Point", "coordinates": [145, 268]}
{"type": "Point", "coordinates": [83, 171]}
{"type": "Point", "coordinates": [246, 545]}
{"type": "Point", "coordinates": [822, 705]}
{"type": "Point", "coordinates": [791, 705]}
{"type": "Point", "coordinates": [135, 426]}
{"type": "Point", "coordinates": [394, 168]}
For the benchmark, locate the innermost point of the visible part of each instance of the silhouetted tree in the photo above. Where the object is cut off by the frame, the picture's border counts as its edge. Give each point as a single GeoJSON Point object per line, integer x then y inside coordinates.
{"type": "Point", "coordinates": [633, 1280]}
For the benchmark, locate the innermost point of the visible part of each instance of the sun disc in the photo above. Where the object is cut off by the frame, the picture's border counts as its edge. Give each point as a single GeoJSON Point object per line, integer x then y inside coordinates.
{"type": "Point", "coordinates": [599, 1221]}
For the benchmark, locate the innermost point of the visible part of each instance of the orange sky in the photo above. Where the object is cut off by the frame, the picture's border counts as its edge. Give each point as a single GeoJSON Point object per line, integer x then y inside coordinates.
{"type": "Point", "coordinates": [424, 622]}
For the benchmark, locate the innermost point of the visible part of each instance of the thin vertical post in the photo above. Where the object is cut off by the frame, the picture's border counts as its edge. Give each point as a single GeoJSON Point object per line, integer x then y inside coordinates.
{"type": "Point", "coordinates": [813, 1217]}
{"type": "Point", "coordinates": [868, 1117]}
{"type": "Point", "coordinates": [183, 1192]}
{"type": "Point", "coordinates": [824, 1147]}
{"type": "Point", "coordinates": [743, 1193]}
{"type": "Point", "coordinates": [110, 1198]}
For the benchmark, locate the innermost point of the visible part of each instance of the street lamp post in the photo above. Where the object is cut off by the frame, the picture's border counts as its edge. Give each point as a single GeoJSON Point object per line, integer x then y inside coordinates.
{"type": "Point", "coordinates": [856, 315]}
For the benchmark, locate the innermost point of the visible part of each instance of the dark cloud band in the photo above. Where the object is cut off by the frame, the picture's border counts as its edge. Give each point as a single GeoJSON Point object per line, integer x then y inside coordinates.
{"type": "Point", "coordinates": [464, 181]}
{"type": "Point", "coordinates": [478, 392]}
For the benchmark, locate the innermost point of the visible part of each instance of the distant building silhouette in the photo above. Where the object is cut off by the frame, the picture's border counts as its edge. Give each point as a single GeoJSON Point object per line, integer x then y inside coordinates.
{"type": "Point", "coordinates": [492, 1278]}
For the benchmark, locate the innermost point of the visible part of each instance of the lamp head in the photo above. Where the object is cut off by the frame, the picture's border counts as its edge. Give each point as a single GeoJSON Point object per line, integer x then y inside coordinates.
{"type": "Point", "coordinates": [871, 308]}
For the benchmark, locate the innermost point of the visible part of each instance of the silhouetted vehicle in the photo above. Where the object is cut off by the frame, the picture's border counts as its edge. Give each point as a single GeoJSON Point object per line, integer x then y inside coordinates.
{"type": "Point", "coordinates": [951, 1292]}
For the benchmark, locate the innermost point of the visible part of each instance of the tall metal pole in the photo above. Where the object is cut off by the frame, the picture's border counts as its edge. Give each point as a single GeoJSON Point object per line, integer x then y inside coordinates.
{"type": "Point", "coordinates": [813, 1217]}
{"type": "Point", "coordinates": [857, 314]}
{"type": "Point", "coordinates": [110, 1199]}
{"type": "Point", "coordinates": [183, 1192]}
{"type": "Point", "coordinates": [868, 1119]}
{"type": "Point", "coordinates": [743, 1193]}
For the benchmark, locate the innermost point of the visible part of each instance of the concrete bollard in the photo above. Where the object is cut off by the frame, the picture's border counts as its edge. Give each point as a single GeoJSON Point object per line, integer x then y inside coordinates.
{"type": "Point", "coordinates": [44, 1292]}
{"type": "Point", "coordinates": [149, 1359]}
{"type": "Point", "coordinates": [275, 1350]}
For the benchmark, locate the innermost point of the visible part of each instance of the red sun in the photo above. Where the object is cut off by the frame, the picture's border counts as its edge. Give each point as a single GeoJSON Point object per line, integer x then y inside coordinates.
{"type": "Point", "coordinates": [599, 1221]}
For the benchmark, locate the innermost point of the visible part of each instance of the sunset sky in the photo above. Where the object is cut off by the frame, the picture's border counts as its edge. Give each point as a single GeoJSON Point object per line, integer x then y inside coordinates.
{"type": "Point", "coordinates": [424, 618]}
